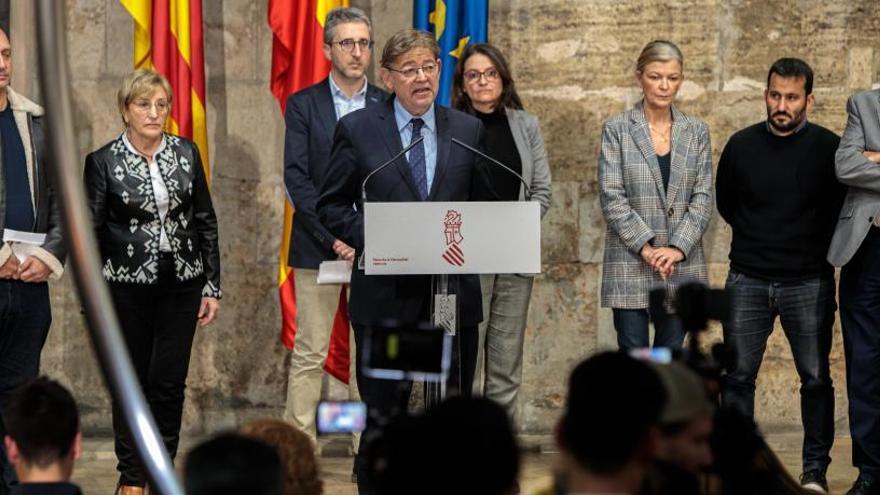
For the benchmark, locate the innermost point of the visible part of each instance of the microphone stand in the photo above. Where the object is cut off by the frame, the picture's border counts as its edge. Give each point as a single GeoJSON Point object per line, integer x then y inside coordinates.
{"type": "Point", "coordinates": [443, 282]}
{"type": "Point", "coordinates": [527, 191]}
{"type": "Point", "coordinates": [360, 263]}
{"type": "Point", "coordinates": [444, 305]}
{"type": "Point", "coordinates": [444, 310]}
{"type": "Point", "coordinates": [387, 163]}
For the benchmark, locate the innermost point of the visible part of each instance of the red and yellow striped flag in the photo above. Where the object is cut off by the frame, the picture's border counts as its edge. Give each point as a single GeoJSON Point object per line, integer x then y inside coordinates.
{"type": "Point", "coordinates": [298, 62]}
{"type": "Point", "coordinates": [168, 39]}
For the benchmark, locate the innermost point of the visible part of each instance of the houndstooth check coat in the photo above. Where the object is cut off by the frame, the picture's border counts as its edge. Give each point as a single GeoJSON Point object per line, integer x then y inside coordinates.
{"type": "Point", "coordinates": [638, 210]}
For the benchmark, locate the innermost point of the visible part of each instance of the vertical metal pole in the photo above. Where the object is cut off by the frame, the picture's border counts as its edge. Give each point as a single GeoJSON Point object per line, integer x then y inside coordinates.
{"type": "Point", "coordinates": [444, 314]}
{"type": "Point", "coordinates": [93, 293]}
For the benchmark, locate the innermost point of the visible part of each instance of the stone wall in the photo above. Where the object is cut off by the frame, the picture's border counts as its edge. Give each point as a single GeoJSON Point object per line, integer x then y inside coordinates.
{"type": "Point", "coordinates": [573, 63]}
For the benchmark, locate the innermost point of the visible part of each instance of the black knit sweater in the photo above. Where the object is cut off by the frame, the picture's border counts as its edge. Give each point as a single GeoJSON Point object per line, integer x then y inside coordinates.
{"type": "Point", "coordinates": [782, 199]}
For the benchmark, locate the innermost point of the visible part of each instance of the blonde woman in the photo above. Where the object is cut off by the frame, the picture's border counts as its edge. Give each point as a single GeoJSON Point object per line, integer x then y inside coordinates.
{"type": "Point", "coordinates": [655, 188]}
{"type": "Point", "coordinates": [157, 234]}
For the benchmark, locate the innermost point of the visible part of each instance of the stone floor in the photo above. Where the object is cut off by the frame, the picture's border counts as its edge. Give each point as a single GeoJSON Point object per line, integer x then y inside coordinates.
{"type": "Point", "coordinates": [96, 474]}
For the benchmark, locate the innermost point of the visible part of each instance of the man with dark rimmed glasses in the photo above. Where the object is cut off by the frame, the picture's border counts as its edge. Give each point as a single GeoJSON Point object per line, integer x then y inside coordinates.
{"type": "Point", "coordinates": [434, 169]}
{"type": "Point", "coordinates": [310, 118]}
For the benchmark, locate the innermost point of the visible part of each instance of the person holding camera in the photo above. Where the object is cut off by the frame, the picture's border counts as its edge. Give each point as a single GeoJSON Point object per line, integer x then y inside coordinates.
{"type": "Point", "coordinates": [777, 189]}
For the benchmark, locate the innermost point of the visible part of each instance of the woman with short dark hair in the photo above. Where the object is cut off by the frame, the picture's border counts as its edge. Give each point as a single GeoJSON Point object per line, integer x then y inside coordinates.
{"type": "Point", "coordinates": [483, 87]}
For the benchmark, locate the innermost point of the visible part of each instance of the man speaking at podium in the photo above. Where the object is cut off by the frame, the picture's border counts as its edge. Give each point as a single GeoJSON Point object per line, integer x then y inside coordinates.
{"type": "Point", "coordinates": [434, 169]}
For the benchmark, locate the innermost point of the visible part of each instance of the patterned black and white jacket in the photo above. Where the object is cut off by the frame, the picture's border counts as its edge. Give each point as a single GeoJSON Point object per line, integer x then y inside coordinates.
{"type": "Point", "coordinates": [127, 220]}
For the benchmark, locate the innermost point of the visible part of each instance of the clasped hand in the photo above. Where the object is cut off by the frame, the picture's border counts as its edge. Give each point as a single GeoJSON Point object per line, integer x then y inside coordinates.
{"type": "Point", "coordinates": [343, 250]}
{"type": "Point", "coordinates": [30, 270]}
{"type": "Point", "coordinates": [662, 259]}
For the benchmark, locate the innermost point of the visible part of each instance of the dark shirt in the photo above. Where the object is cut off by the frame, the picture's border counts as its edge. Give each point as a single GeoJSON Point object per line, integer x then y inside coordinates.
{"type": "Point", "coordinates": [45, 489]}
{"type": "Point", "coordinates": [499, 144]}
{"type": "Point", "coordinates": [781, 198]}
{"type": "Point", "coordinates": [665, 163]}
{"type": "Point", "coordinates": [19, 202]}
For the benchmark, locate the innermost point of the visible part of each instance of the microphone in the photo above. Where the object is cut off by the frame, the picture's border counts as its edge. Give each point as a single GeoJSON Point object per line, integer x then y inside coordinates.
{"type": "Point", "coordinates": [526, 189]}
{"type": "Point", "coordinates": [389, 162]}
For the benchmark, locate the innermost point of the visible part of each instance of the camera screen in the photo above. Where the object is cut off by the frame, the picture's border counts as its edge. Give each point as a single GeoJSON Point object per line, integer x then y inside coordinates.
{"type": "Point", "coordinates": [341, 417]}
{"type": "Point", "coordinates": [662, 355]}
{"type": "Point", "coordinates": [406, 353]}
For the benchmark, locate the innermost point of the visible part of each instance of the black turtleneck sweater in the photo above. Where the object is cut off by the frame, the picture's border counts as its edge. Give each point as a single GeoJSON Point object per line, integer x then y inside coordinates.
{"type": "Point", "coordinates": [781, 197]}
{"type": "Point", "coordinates": [499, 144]}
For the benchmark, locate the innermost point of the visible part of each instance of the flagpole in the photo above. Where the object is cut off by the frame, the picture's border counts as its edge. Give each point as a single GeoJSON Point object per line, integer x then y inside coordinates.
{"type": "Point", "coordinates": [93, 293]}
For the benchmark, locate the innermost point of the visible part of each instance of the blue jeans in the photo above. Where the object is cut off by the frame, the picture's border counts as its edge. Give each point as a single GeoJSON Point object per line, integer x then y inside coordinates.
{"type": "Point", "coordinates": [25, 317]}
{"type": "Point", "coordinates": [806, 310]}
{"type": "Point", "coordinates": [632, 329]}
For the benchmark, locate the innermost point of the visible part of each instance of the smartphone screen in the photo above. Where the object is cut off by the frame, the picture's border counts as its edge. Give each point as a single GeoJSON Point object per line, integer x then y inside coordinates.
{"type": "Point", "coordinates": [341, 417]}
{"type": "Point", "coordinates": [661, 355]}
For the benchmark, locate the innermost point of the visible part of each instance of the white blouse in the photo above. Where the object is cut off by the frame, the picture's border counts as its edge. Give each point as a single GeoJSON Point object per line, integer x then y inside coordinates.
{"type": "Point", "coordinates": [160, 191]}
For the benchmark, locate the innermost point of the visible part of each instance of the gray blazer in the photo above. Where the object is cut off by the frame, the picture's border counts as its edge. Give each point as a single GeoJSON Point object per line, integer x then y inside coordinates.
{"type": "Point", "coordinates": [530, 145]}
{"type": "Point", "coordinates": [637, 209]}
{"type": "Point", "coordinates": [862, 176]}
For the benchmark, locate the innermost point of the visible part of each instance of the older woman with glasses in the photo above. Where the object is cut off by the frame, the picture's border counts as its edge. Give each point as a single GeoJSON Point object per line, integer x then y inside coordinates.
{"type": "Point", "coordinates": [483, 86]}
{"type": "Point", "coordinates": [157, 234]}
{"type": "Point", "coordinates": [655, 188]}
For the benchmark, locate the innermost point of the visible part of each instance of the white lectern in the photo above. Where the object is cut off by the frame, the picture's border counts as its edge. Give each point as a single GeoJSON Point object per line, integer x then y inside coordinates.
{"type": "Point", "coordinates": [451, 238]}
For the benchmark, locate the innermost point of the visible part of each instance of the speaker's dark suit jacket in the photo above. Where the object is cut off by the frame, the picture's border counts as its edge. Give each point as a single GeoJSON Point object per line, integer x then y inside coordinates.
{"type": "Point", "coordinates": [364, 140]}
{"type": "Point", "coordinates": [310, 119]}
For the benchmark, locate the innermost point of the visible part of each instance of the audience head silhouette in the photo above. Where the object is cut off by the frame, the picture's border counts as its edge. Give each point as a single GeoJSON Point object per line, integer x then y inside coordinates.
{"type": "Point", "coordinates": [608, 434]}
{"type": "Point", "coordinates": [42, 425]}
{"type": "Point", "coordinates": [232, 464]}
{"type": "Point", "coordinates": [464, 446]}
{"type": "Point", "coordinates": [294, 447]}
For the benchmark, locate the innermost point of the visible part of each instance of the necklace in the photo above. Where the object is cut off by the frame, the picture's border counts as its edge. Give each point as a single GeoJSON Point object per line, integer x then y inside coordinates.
{"type": "Point", "coordinates": [664, 134]}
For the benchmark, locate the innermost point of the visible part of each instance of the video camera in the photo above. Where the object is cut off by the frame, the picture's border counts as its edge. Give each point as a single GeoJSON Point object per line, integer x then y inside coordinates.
{"type": "Point", "coordinates": [393, 350]}
{"type": "Point", "coordinates": [390, 350]}
{"type": "Point", "coordinates": [695, 304]}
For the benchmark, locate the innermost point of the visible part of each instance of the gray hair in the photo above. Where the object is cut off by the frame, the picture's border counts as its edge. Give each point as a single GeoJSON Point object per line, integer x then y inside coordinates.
{"type": "Point", "coordinates": [406, 40]}
{"type": "Point", "coordinates": [343, 15]}
{"type": "Point", "coordinates": [659, 51]}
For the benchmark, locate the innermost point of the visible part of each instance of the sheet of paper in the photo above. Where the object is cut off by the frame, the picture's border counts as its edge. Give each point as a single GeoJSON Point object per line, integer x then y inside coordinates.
{"type": "Point", "coordinates": [22, 250]}
{"type": "Point", "coordinates": [33, 238]}
{"type": "Point", "coordinates": [334, 272]}
{"type": "Point", "coordinates": [23, 244]}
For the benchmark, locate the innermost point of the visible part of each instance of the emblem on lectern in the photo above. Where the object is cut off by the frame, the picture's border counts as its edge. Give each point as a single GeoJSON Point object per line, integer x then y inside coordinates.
{"type": "Point", "coordinates": [452, 229]}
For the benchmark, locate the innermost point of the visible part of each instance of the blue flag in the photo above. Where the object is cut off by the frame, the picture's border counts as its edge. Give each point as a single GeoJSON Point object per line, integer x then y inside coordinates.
{"type": "Point", "coordinates": [455, 24]}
